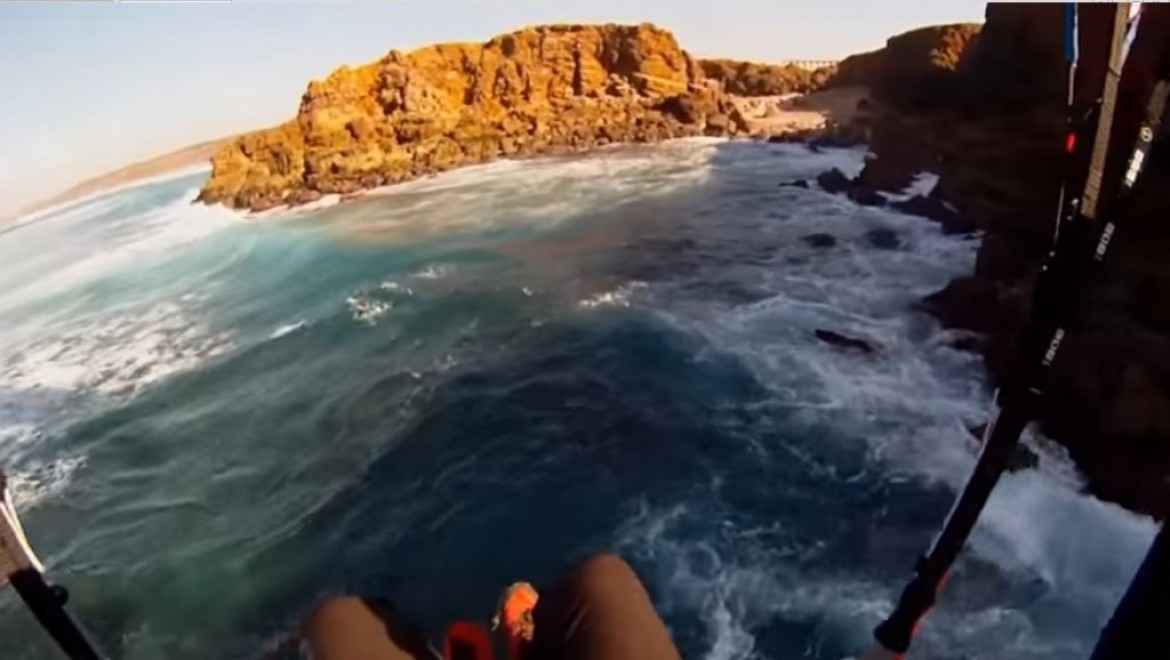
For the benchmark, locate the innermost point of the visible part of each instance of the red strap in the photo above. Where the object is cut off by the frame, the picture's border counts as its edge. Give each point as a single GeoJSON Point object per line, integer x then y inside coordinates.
{"type": "Point", "coordinates": [468, 641]}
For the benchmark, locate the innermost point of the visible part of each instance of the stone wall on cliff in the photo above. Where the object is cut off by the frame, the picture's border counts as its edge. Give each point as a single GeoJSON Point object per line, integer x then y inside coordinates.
{"type": "Point", "coordinates": [996, 139]}
{"type": "Point", "coordinates": [538, 90]}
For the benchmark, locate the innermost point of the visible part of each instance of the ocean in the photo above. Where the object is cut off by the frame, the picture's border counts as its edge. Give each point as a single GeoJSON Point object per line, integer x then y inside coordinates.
{"type": "Point", "coordinates": [212, 421]}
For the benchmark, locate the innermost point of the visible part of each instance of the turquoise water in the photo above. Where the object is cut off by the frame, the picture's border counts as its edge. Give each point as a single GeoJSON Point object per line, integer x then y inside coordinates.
{"type": "Point", "coordinates": [214, 421]}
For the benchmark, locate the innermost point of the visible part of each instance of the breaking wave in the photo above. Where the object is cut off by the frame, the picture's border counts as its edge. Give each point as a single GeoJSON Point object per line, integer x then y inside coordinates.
{"type": "Point", "coordinates": [436, 388]}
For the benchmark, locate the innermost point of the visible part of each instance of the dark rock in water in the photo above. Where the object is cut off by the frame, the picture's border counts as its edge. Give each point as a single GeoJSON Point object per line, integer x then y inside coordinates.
{"type": "Point", "coordinates": [1024, 457]}
{"type": "Point", "coordinates": [798, 183]}
{"type": "Point", "coordinates": [967, 303]}
{"type": "Point", "coordinates": [836, 140]}
{"type": "Point", "coordinates": [933, 208]}
{"type": "Point", "coordinates": [867, 197]}
{"type": "Point", "coordinates": [820, 241]}
{"type": "Point", "coordinates": [834, 181]}
{"type": "Point", "coordinates": [301, 197]}
{"type": "Point", "coordinates": [798, 136]}
{"type": "Point", "coordinates": [841, 341]}
{"type": "Point", "coordinates": [970, 344]}
{"type": "Point", "coordinates": [883, 239]}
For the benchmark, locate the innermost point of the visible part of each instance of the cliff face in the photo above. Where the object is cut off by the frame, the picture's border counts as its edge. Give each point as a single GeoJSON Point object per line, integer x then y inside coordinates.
{"type": "Point", "coordinates": [911, 80]}
{"type": "Point", "coordinates": [860, 70]}
{"type": "Point", "coordinates": [755, 79]}
{"type": "Point", "coordinates": [995, 135]}
{"type": "Point", "coordinates": [539, 90]}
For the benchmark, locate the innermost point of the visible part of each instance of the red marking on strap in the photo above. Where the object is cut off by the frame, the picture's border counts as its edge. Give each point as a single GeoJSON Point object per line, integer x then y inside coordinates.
{"type": "Point", "coordinates": [1070, 143]}
{"type": "Point", "coordinates": [467, 641]}
{"type": "Point", "coordinates": [942, 584]}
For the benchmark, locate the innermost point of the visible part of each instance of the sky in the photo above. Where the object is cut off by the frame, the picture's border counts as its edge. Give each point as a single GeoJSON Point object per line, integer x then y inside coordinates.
{"type": "Point", "coordinates": [89, 86]}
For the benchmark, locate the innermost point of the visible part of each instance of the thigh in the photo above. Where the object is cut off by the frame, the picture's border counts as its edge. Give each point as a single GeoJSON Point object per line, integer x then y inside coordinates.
{"type": "Point", "coordinates": [352, 628]}
{"type": "Point", "coordinates": [600, 611]}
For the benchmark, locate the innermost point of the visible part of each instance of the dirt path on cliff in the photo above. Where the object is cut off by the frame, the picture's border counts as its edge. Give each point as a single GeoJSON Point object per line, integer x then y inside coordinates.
{"type": "Point", "coordinates": [773, 115]}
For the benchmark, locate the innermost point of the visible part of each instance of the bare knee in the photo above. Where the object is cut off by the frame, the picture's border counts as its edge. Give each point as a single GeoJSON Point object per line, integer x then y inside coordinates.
{"type": "Point", "coordinates": [354, 628]}
{"type": "Point", "coordinates": [605, 573]}
{"type": "Point", "coordinates": [338, 609]}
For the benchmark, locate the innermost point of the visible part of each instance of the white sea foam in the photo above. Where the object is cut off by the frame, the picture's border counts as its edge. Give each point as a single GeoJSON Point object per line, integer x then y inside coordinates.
{"type": "Point", "coordinates": [392, 286]}
{"type": "Point", "coordinates": [61, 360]}
{"type": "Point", "coordinates": [116, 354]}
{"type": "Point", "coordinates": [365, 309]}
{"type": "Point", "coordinates": [619, 297]}
{"type": "Point", "coordinates": [129, 242]}
{"type": "Point", "coordinates": [287, 329]}
{"type": "Point", "coordinates": [434, 272]}
{"type": "Point", "coordinates": [910, 405]}
{"type": "Point", "coordinates": [735, 595]}
{"type": "Point", "coordinates": [553, 191]}
{"type": "Point", "coordinates": [40, 481]}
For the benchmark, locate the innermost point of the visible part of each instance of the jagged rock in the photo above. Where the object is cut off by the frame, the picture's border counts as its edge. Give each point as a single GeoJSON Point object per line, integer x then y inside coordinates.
{"type": "Point", "coordinates": [719, 124]}
{"type": "Point", "coordinates": [883, 239]}
{"type": "Point", "coordinates": [798, 136]}
{"type": "Point", "coordinates": [866, 197]}
{"type": "Point", "coordinates": [834, 181]}
{"type": "Point", "coordinates": [933, 208]}
{"type": "Point", "coordinates": [849, 343]}
{"type": "Point", "coordinates": [303, 197]}
{"type": "Point", "coordinates": [820, 241]}
{"type": "Point", "coordinates": [930, 208]}
{"type": "Point", "coordinates": [917, 72]}
{"type": "Point", "coordinates": [970, 343]}
{"type": "Point", "coordinates": [753, 79]}
{"type": "Point", "coordinates": [550, 89]}
{"type": "Point", "coordinates": [965, 303]}
{"type": "Point", "coordinates": [860, 70]}
{"type": "Point", "coordinates": [836, 140]}
{"type": "Point", "coordinates": [995, 137]}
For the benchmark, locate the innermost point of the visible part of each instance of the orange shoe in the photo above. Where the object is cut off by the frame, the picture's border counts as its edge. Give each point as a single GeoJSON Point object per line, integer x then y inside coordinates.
{"type": "Point", "coordinates": [514, 617]}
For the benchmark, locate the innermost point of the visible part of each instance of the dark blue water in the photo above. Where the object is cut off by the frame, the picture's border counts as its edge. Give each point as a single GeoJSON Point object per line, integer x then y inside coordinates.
{"type": "Point", "coordinates": [216, 422]}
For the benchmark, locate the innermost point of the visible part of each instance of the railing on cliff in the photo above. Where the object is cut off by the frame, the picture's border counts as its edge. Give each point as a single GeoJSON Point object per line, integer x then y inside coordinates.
{"type": "Point", "coordinates": [810, 65]}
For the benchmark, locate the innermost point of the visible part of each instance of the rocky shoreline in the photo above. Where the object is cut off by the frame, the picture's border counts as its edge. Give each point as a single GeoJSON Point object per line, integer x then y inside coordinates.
{"type": "Point", "coordinates": [984, 110]}
{"type": "Point", "coordinates": [981, 108]}
{"type": "Point", "coordinates": [542, 90]}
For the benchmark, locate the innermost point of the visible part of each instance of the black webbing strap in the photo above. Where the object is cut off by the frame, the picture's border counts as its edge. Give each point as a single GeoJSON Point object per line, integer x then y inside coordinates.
{"type": "Point", "coordinates": [1055, 304]}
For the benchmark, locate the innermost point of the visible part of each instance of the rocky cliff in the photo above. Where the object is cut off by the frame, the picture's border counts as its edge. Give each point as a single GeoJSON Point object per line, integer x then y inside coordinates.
{"type": "Point", "coordinates": [755, 79]}
{"type": "Point", "coordinates": [539, 90]}
{"type": "Point", "coordinates": [991, 123]}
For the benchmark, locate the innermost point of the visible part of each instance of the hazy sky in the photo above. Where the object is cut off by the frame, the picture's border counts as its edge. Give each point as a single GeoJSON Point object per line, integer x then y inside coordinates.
{"type": "Point", "coordinates": [89, 86]}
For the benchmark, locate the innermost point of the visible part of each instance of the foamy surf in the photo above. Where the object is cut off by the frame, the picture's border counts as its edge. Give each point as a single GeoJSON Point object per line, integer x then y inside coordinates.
{"type": "Point", "coordinates": [487, 198]}
{"type": "Point", "coordinates": [619, 297]}
{"type": "Point", "coordinates": [85, 204]}
{"type": "Point", "coordinates": [287, 329]}
{"type": "Point", "coordinates": [115, 355]}
{"type": "Point", "coordinates": [619, 316]}
{"type": "Point", "coordinates": [40, 481]}
{"type": "Point", "coordinates": [910, 404]}
{"type": "Point", "coordinates": [128, 242]}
